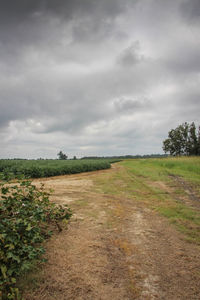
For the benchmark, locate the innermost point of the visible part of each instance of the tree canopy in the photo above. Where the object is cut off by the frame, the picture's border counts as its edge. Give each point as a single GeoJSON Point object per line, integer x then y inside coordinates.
{"type": "Point", "coordinates": [61, 155]}
{"type": "Point", "coordinates": [183, 140]}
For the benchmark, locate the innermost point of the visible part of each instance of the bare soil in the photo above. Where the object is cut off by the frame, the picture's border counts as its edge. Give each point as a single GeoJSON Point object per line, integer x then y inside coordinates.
{"type": "Point", "coordinates": [114, 248]}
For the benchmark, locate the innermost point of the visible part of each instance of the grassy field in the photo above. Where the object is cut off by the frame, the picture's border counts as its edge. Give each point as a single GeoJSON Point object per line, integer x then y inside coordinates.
{"type": "Point", "coordinates": [47, 168]}
{"type": "Point", "coordinates": [171, 186]}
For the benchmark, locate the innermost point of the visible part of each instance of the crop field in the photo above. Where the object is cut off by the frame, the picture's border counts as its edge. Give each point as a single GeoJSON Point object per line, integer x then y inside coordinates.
{"type": "Point", "coordinates": [47, 168]}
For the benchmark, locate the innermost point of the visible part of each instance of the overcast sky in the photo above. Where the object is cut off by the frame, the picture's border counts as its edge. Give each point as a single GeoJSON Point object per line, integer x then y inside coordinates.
{"type": "Point", "coordinates": [96, 77]}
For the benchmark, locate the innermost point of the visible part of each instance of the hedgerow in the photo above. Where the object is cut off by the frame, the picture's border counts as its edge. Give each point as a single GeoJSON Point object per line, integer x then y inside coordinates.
{"type": "Point", "coordinates": [26, 216]}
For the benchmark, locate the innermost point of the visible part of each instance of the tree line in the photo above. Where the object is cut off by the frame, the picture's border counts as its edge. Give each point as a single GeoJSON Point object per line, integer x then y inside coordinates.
{"type": "Point", "coordinates": [183, 140]}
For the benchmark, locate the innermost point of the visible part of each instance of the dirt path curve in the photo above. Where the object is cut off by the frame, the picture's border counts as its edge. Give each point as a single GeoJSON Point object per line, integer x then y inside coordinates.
{"type": "Point", "coordinates": [114, 248]}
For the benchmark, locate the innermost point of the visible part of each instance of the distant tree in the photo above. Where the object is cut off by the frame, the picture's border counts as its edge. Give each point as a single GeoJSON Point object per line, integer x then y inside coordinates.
{"type": "Point", "coordinates": [61, 155]}
{"type": "Point", "coordinates": [74, 157]}
{"type": "Point", "coordinates": [183, 140]}
{"type": "Point", "coordinates": [198, 142]}
{"type": "Point", "coordinates": [193, 140]}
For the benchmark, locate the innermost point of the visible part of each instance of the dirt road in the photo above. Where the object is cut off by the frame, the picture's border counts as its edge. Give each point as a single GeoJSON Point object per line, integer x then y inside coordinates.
{"type": "Point", "coordinates": [114, 247]}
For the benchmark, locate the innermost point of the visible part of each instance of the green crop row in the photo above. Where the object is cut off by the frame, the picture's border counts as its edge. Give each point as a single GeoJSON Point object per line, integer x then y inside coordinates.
{"type": "Point", "coordinates": [47, 168]}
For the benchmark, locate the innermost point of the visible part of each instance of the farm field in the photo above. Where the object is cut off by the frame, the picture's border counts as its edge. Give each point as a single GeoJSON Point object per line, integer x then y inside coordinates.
{"type": "Point", "coordinates": [50, 167]}
{"type": "Point", "coordinates": [134, 234]}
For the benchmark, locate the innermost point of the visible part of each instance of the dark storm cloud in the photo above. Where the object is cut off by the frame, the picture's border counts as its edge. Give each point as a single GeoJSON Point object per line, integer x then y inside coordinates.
{"type": "Point", "coordinates": [42, 23]}
{"type": "Point", "coordinates": [54, 26]}
{"type": "Point", "coordinates": [14, 11]}
{"type": "Point", "coordinates": [191, 10]}
{"type": "Point", "coordinates": [23, 7]}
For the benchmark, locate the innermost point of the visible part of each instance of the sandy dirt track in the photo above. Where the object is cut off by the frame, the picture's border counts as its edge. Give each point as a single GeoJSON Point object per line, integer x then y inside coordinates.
{"type": "Point", "coordinates": [114, 248]}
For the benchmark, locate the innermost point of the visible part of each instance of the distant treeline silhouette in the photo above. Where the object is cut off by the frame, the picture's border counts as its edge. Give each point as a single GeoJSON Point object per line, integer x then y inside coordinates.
{"type": "Point", "coordinates": [126, 156]}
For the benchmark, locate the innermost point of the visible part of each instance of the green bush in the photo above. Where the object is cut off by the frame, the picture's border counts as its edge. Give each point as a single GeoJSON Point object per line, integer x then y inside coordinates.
{"type": "Point", "coordinates": [25, 216]}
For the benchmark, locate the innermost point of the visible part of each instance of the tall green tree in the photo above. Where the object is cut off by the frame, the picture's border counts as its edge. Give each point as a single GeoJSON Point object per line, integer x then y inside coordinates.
{"type": "Point", "coordinates": [183, 140]}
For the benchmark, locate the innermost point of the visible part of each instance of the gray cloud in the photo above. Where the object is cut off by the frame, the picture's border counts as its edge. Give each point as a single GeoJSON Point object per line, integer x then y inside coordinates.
{"type": "Point", "coordinates": [191, 10]}
{"type": "Point", "coordinates": [131, 106]}
{"type": "Point", "coordinates": [99, 77]}
{"type": "Point", "coordinates": [131, 56]}
{"type": "Point", "coordinates": [15, 10]}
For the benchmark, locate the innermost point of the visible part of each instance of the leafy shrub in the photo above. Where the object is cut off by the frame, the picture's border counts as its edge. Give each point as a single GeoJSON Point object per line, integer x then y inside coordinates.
{"type": "Point", "coordinates": [25, 216]}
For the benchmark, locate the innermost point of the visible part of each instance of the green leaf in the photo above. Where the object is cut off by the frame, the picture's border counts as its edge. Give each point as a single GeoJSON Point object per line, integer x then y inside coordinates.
{"type": "Point", "coordinates": [3, 271]}
{"type": "Point", "coordinates": [13, 256]}
{"type": "Point", "coordinates": [13, 280]}
{"type": "Point", "coordinates": [29, 227]}
{"type": "Point", "coordinates": [4, 190]}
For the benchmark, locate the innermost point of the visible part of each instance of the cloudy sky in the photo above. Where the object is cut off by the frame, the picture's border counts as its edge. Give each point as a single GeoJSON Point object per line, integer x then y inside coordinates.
{"type": "Point", "coordinates": [96, 77]}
